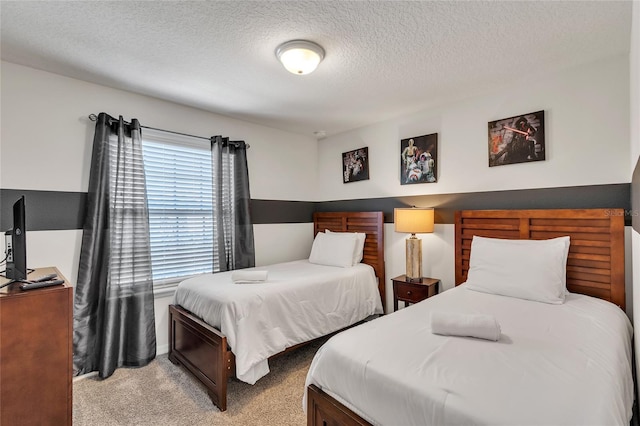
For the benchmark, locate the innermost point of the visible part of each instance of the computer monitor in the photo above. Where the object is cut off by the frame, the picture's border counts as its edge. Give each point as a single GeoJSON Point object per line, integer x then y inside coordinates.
{"type": "Point", "coordinates": [16, 244]}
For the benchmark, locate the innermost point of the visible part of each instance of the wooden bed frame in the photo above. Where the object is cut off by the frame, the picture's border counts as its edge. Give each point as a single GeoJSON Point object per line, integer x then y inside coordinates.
{"type": "Point", "coordinates": [203, 349]}
{"type": "Point", "coordinates": [595, 267]}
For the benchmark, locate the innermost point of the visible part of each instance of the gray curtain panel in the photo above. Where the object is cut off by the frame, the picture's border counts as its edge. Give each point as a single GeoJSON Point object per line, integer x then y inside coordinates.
{"type": "Point", "coordinates": [233, 231]}
{"type": "Point", "coordinates": [114, 322]}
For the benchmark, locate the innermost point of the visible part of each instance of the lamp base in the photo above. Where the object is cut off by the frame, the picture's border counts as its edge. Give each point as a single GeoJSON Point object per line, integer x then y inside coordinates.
{"type": "Point", "coordinates": [414, 280]}
{"type": "Point", "coordinates": [414, 258]}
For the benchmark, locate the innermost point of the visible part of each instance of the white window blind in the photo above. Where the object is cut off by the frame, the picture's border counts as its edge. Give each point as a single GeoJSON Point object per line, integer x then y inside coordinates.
{"type": "Point", "coordinates": [179, 192]}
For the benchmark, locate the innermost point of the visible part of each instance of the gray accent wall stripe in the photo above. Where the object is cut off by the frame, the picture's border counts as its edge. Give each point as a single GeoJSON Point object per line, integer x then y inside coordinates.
{"type": "Point", "coordinates": [573, 197]}
{"type": "Point", "coordinates": [635, 198]}
{"type": "Point", "coordinates": [57, 210]}
{"type": "Point", "coordinates": [273, 211]}
{"type": "Point", "coordinates": [45, 210]}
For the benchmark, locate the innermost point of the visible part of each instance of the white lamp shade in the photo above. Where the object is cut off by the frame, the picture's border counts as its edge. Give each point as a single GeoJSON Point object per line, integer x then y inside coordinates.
{"type": "Point", "coordinates": [413, 220]}
{"type": "Point", "coordinates": [300, 56]}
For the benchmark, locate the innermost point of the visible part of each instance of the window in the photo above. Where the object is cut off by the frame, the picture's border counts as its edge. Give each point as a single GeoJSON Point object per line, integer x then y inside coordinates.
{"type": "Point", "coordinates": [178, 174]}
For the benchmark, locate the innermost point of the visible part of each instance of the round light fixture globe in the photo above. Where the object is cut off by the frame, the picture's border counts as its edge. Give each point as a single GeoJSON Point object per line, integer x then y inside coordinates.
{"type": "Point", "coordinates": [300, 56]}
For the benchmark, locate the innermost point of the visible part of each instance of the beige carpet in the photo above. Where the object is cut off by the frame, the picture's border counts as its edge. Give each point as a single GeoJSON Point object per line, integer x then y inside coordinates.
{"type": "Point", "coordinates": [165, 394]}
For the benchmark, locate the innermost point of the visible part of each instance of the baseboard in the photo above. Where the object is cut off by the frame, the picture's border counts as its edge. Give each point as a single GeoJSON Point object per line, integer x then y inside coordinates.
{"type": "Point", "coordinates": [162, 349]}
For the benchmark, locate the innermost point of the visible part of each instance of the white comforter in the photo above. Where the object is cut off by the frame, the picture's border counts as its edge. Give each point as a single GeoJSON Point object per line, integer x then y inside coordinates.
{"type": "Point", "coordinates": [299, 302]}
{"type": "Point", "coordinates": [554, 365]}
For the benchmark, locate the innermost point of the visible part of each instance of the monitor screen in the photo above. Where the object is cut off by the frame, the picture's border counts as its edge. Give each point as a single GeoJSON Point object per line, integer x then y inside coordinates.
{"type": "Point", "coordinates": [17, 244]}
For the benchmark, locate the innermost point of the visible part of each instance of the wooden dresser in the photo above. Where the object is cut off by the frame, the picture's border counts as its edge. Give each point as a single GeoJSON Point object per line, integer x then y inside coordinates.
{"type": "Point", "coordinates": [36, 365]}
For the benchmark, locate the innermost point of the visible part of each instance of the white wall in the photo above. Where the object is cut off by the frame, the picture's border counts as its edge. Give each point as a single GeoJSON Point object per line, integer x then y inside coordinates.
{"type": "Point", "coordinates": [634, 82]}
{"type": "Point", "coordinates": [46, 141]}
{"type": "Point", "coordinates": [587, 141]}
{"type": "Point", "coordinates": [635, 158]}
{"type": "Point", "coordinates": [587, 138]}
{"type": "Point", "coordinates": [44, 121]}
{"type": "Point", "coordinates": [45, 124]}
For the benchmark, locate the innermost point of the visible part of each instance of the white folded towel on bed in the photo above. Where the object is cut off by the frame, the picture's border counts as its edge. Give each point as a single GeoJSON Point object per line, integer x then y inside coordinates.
{"type": "Point", "coordinates": [467, 325]}
{"type": "Point", "coordinates": [248, 276]}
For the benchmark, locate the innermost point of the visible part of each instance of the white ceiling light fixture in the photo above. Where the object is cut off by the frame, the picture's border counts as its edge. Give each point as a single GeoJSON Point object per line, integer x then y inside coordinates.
{"type": "Point", "coordinates": [300, 56]}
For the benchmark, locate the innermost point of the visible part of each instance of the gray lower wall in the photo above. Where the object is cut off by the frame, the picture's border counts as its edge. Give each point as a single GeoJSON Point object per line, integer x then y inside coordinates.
{"type": "Point", "coordinates": [56, 210]}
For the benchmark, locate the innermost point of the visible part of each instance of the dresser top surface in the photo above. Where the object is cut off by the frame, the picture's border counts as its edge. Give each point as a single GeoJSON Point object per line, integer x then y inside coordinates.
{"type": "Point", "coordinates": [13, 289]}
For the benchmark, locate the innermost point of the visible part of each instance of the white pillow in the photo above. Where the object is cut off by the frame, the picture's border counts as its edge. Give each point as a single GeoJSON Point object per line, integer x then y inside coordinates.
{"type": "Point", "coordinates": [358, 253]}
{"type": "Point", "coordinates": [333, 250]}
{"type": "Point", "coordinates": [526, 269]}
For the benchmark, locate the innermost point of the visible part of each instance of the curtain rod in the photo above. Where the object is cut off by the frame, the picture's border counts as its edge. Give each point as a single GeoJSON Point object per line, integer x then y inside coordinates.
{"type": "Point", "coordinates": [94, 117]}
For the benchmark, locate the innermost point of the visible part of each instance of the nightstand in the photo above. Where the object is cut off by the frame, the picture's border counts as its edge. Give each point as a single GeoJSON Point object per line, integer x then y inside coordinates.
{"type": "Point", "coordinates": [413, 291]}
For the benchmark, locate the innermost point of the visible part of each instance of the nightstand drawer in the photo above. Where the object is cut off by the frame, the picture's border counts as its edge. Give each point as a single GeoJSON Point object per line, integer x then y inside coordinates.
{"type": "Point", "coordinates": [411, 293]}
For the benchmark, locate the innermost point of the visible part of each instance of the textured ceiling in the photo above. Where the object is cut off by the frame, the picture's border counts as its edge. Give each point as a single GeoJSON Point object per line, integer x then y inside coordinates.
{"type": "Point", "coordinates": [383, 58]}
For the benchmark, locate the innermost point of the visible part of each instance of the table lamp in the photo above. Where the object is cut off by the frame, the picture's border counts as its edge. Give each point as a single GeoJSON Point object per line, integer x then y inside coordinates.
{"type": "Point", "coordinates": [413, 220]}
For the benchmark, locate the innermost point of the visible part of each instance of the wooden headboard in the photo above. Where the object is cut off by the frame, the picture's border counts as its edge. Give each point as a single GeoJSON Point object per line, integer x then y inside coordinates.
{"type": "Point", "coordinates": [371, 223]}
{"type": "Point", "coordinates": [595, 266]}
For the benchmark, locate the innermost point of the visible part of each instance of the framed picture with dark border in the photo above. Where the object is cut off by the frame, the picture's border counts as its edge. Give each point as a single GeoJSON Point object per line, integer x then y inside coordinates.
{"type": "Point", "coordinates": [419, 159]}
{"type": "Point", "coordinates": [518, 139]}
{"type": "Point", "coordinates": [355, 165]}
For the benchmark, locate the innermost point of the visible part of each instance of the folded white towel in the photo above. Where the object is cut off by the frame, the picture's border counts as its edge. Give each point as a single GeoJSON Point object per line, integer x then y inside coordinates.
{"type": "Point", "coordinates": [242, 276]}
{"type": "Point", "coordinates": [467, 325]}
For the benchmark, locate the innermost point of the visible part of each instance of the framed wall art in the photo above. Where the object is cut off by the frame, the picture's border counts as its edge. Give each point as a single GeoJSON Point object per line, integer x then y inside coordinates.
{"type": "Point", "coordinates": [419, 159]}
{"type": "Point", "coordinates": [355, 165]}
{"type": "Point", "coordinates": [518, 139]}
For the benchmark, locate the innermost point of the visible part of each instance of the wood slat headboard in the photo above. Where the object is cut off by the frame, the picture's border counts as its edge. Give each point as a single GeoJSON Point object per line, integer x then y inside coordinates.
{"type": "Point", "coordinates": [371, 223]}
{"type": "Point", "coordinates": [595, 266]}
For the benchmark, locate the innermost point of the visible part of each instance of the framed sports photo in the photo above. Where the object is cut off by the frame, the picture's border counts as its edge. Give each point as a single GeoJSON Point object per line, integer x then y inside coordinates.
{"type": "Point", "coordinates": [419, 159]}
{"type": "Point", "coordinates": [355, 165]}
{"type": "Point", "coordinates": [518, 139]}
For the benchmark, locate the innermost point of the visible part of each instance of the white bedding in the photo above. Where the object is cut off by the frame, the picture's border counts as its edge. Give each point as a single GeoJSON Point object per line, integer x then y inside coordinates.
{"type": "Point", "coordinates": [299, 302]}
{"type": "Point", "coordinates": [553, 365]}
